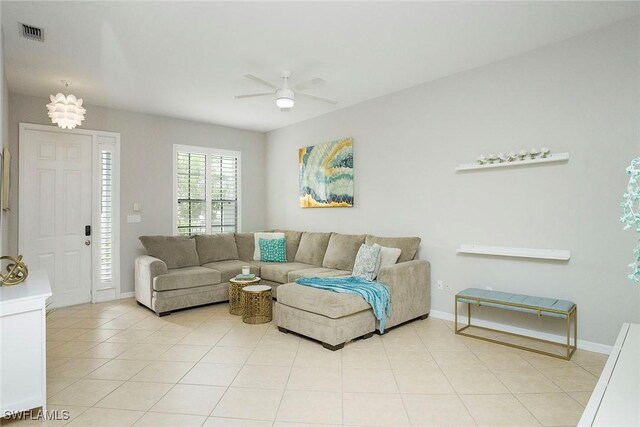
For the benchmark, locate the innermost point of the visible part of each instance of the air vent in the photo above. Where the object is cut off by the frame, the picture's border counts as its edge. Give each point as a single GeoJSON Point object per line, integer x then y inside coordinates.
{"type": "Point", "coordinates": [32, 33]}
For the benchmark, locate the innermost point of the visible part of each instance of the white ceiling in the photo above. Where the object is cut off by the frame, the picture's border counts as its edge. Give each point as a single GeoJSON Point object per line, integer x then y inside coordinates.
{"type": "Point", "coordinates": [186, 59]}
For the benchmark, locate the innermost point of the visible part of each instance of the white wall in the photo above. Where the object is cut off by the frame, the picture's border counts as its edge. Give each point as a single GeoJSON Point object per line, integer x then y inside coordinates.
{"type": "Point", "coordinates": [4, 132]}
{"type": "Point", "coordinates": [580, 96]}
{"type": "Point", "coordinates": [146, 168]}
{"type": "Point", "coordinates": [4, 135]}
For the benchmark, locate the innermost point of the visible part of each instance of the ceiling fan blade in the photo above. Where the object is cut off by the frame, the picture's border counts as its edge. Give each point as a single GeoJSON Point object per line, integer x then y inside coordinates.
{"type": "Point", "coordinates": [317, 98]}
{"type": "Point", "coordinates": [259, 80]}
{"type": "Point", "coordinates": [308, 84]}
{"type": "Point", "coordinates": [252, 95]}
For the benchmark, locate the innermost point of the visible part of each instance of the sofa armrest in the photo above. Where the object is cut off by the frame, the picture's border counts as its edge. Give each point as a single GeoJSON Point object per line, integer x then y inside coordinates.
{"type": "Point", "coordinates": [410, 285]}
{"type": "Point", "coordinates": [146, 269]}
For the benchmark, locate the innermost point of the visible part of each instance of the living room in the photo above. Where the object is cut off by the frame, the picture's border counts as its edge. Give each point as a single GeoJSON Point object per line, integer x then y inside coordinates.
{"type": "Point", "coordinates": [293, 146]}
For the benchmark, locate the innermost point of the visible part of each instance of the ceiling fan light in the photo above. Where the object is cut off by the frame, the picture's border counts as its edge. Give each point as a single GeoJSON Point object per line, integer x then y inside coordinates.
{"type": "Point", "coordinates": [284, 102]}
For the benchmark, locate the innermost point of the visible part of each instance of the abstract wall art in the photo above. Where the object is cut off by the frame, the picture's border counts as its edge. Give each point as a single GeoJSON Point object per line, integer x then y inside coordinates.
{"type": "Point", "coordinates": [326, 174]}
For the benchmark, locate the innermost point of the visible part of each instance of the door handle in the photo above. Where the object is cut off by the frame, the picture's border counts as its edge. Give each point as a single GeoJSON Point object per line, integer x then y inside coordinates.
{"type": "Point", "coordinates": [87, 242]}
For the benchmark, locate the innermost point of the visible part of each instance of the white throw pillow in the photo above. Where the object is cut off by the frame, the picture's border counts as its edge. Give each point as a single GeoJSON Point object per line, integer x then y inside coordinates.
{"type": "Point", "coordinates": [388, 257]}
{"type": "Point", "coordinates": [258, 236]}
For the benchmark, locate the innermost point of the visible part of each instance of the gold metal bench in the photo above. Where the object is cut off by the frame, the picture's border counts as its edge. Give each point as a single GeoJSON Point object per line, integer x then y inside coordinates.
{"type": "Point", "coordinates": [528, 304]}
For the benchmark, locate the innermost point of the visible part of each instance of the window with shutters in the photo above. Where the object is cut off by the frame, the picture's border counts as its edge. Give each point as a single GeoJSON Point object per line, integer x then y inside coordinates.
{"type": "Point", "coordinates": [206, 184]}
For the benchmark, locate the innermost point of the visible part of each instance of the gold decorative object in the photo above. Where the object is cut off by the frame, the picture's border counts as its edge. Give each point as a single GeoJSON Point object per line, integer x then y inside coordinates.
{"type": "Point", "coordinates": [235, 295]}
{"type": "Point", "coordinates": [16, 273]}
{"type": "Point", "coordinates": [570, 315]}
{"type": "Point", "coordinates": [256, 304]}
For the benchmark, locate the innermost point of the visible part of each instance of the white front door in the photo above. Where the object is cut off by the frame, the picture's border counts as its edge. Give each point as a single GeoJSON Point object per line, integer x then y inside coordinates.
{"type": "Point", "coordinates": [55, 207]}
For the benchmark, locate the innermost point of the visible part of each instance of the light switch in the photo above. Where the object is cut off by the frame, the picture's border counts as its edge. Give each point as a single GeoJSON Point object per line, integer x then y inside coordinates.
{"type": "Point", "coordinates": [136, 207]}
{"type": "Point", "coordinates": [134, 218]}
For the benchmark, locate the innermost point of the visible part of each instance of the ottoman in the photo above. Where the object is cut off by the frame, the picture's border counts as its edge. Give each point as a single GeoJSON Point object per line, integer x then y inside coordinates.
{"type": "Point", "coordinates": [330, 317]}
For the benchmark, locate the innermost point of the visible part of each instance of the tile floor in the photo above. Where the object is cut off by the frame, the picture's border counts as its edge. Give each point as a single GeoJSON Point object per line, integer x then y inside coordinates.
{"type": "Point", "coordinates": [118, 364]}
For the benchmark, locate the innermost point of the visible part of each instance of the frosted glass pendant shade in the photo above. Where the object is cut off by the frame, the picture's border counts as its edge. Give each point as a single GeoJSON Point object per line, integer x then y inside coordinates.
{"type": "Point", "coordinates": [66, 111]}
{"type": "Point", "coordinates": [284, 102]}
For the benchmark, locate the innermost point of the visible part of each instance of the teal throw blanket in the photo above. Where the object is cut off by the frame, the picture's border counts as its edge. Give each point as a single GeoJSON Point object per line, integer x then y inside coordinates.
{"type": "Point", "coordinates": [376, 294]}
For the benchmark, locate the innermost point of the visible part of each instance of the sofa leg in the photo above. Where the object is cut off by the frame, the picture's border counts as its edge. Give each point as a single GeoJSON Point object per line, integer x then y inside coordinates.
{"type": "Point", "coordinates": [369, 335]}
{"type": "Point", "coordinates": [424, 316]}
{"type": "Point", "coordinates": [283, 330]}
{"type": "Point", "coordinates": [166, 313]}
{"type": "Point", "coordinates": [379, 333]}
{"type": "Point", "coordinates": [333, 347]}
{"type": "Point", "coordinates": [140, 304]}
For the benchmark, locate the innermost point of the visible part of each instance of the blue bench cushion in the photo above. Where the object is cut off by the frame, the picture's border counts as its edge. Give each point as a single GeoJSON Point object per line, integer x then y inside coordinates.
{"type": "Point", "coordinates": [542, 303]}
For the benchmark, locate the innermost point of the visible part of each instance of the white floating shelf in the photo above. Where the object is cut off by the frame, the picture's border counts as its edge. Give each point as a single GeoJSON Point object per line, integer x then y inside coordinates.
{"type": "Point", "coordinates": [552, 158]}
{"type": "Point", "coordinates": [556, 254]}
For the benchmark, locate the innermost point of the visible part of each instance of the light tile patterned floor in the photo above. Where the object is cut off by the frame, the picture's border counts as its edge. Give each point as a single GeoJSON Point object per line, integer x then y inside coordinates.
{"type": "Point", "coordinates": [118, 364]}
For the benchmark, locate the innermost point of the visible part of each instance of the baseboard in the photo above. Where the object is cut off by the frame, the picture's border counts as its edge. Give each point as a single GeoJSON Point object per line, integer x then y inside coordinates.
{"type": "Point", "coordinates": [583, 345]}
{"type": "Point", "coordinates": [124, 295]}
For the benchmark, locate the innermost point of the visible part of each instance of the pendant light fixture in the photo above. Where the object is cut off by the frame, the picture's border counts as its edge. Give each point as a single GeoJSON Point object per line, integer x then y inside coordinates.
{"type": "Point", "coordinates": [66, 111]}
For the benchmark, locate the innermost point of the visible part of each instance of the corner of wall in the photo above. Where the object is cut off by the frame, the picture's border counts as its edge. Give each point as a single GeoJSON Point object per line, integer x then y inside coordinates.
{"type": "Point", "coordinates": [4, 133]}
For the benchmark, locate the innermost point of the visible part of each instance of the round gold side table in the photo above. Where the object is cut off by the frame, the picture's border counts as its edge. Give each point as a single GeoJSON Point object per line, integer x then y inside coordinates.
{"type": "Point", "coordinates": [257, 304]}
{"type": "Point", "coordinates": [235, 296]}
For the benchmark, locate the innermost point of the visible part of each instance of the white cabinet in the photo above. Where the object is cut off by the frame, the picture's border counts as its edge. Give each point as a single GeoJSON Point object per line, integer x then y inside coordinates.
{"type": "Point", "coordinates": [23, 374]}
{"type": "Point", "coordinates": [616, 399]}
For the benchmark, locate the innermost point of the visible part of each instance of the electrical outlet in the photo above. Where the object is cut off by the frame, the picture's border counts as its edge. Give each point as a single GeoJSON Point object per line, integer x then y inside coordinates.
{"type": "Point", "coordinates": [440, 285]}
{"type": "Point", "coordinates": [447, 287]}
{"type": "Point", "coordinates": [134, 218]}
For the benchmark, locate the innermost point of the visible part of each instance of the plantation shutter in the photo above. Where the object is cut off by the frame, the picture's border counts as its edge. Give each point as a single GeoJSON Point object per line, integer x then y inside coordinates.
{"type": "Point", "coordinates": [224, 194]}
{"type": "Point", "coordinates": [191, 182]}
{"type": "Point", "coordinates": [206, 184]}
{"type": "Point", "coordinates": [106, 216]}
{"type": "Point", "coordinates": [104, 219]}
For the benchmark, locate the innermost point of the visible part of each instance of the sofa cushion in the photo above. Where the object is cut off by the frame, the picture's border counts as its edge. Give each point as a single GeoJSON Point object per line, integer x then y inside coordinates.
{"type": "Point", "coordinates": [175, 251]}
{"type": "Point", "coordinates": [326, 303]}
{"type": "Point", "coordinates": [216, 247]}
{"type": "Point", "coordinates": [261, 264]}
{"type": "Point", "coordinates": [312, 248]}
{"type": "Point", "coordinates": [186, 277]}
{"type": "Point", "coordinates": [316, 272]}
{"type": "Point", "coordinates": [408, 245]}
{"type": "Point", "coordinates": [292, 241]}
{"type": "Point", "coordinates": [245, 242]}
{"type": "Point", "coordinates": [278, 272]}
{"type": "Point", "coordinates": [341, 250]}
{"type": "Point", "coordinates": [231, 268]}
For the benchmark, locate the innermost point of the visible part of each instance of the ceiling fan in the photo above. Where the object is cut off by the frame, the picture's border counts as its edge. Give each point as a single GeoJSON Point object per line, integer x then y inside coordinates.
{"type": "Point", "coordinates": [285, 96]}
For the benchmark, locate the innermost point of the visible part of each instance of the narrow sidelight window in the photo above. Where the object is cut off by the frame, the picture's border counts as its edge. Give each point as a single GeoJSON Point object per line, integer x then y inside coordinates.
{"type": "Point", "coordinates": [106, 216]}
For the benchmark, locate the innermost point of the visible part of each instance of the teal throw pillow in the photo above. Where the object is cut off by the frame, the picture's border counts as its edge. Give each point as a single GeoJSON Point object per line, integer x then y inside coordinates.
{"type": "Point", "coordinates": [273, 250]}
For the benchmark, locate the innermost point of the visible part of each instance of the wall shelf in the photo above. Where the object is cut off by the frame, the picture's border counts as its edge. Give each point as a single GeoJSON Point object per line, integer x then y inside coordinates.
{"type": "Point", "coordinates": [554, 254]}
{"type": "Point", "coordinates": [552, 158]}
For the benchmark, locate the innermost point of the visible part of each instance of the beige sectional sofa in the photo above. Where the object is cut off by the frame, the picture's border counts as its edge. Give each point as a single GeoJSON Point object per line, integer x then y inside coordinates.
{"type": "Point", "coordinates": [181, 272]}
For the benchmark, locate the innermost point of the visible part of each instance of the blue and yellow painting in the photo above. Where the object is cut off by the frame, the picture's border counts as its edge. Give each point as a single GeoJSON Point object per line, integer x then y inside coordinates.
{"type": "Point", "coordinates": [326, 174]}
